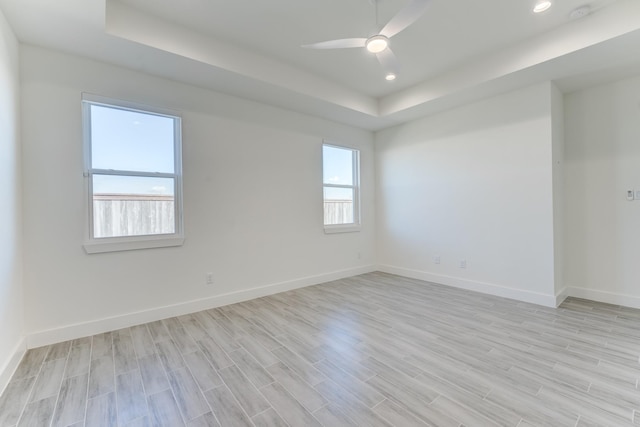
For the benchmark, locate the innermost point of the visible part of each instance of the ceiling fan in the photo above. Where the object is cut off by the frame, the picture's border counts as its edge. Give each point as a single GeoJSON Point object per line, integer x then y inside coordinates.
{"type": "Point", "coordinates": [379, 43]}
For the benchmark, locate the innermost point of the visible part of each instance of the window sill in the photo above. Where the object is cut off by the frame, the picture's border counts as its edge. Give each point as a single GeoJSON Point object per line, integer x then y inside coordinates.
{"type": "Point", "coordinates": [126, 244]}
{"type": "Point", "coordinates": [348, 228]}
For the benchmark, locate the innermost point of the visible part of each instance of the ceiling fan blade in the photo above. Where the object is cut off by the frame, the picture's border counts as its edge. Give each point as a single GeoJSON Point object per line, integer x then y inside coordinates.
{"type": "Point", "coordinates": [405, 17]}
{"type": "Point", "coordinates": [388, 61]}
{"type": "Point", "coordinates": [337, 44]}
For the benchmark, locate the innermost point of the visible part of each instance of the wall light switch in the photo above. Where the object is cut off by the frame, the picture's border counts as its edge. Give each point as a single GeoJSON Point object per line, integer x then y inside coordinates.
{"type": "Point", "coordinates": [637, 195]}
{"type": "Point", "coordinates": [630, 195]}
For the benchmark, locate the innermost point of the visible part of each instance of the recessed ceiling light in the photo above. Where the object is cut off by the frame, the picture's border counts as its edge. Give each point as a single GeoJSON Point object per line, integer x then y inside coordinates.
{"type": "Point", "coordinates": [541, 6]}
{"type": "Point", "coordinates": [390, 77]}
{"type": "Point", "coordinates": [377, 44]}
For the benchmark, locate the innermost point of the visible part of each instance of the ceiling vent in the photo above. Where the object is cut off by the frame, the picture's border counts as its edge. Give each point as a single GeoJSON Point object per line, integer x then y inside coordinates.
{"type": "Point", "coordinates": [580, 12]}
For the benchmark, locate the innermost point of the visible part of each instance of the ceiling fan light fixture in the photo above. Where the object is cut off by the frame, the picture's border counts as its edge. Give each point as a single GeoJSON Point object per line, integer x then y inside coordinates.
{"type": "Point", "coordinates": [377, 44]}
{"type": "Point", "coordinates": [541, 6]}
{"type": "Point", "coordinates": [390, 77]}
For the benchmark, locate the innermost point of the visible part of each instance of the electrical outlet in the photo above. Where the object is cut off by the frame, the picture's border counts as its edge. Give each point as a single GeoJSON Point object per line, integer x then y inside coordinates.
{"type": "Point", "coordinates": [209, 278]}
{"type": "Point", "coordinates": [436, 259]}
{"type": "Point", "coordinates": [463, 263]}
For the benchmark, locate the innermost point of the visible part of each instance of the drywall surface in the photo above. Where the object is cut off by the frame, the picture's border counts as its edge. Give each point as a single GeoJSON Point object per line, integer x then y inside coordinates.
{"type": "Point", "coordinates": [252, 203]}
{"type": "Point", "coordinates": [602, 163]}
{"type": "Point", "coordinates": [557, 136]}
{"type": "Point", "coordinates": [473, 185]}
{"type": "Point", "coordinates": [11, 292]}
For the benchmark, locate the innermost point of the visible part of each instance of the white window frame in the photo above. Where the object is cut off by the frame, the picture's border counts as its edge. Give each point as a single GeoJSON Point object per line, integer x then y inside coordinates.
{"type": "Point", "coordinates": [355, 169]}
{"type": "Point", "coordinates": [125, 243]}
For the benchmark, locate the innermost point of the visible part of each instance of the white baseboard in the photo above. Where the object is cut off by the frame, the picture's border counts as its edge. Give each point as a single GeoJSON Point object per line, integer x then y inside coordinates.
{"type": "Point", "coordinates": [561, 296]}
{"type": "Point", "coordinates": [93, 327]}
{"type": "Point", "coordinates": [603, 296]}
{"type": "Point", "coordinates": [472, 285]}
{"type": "Point", "coordinates": [9, 368]}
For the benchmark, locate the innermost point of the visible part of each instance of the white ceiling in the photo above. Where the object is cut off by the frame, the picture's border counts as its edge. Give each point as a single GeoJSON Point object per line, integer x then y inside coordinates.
{"type": "Point", "coordinates": [447, 35]}
{"type": "Point", "coordinates": [458, 51]}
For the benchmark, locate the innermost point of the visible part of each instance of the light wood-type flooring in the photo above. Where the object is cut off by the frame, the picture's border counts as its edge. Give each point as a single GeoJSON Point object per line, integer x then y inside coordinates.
{"type": "Point", "coordinates": [371, 350]}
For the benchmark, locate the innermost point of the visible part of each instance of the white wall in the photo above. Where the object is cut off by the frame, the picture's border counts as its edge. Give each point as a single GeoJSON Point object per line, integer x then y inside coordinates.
{"type": "Point", "coordinates": [11, 293]}
{"type": "Point", "coordinates": [474, 184]}
{"type": "Point", "coordinates": [252, 203]}
{"type": "Point", "coordinates": [602, 162]}
{"type": "Point", "coordinates": [557, 153]}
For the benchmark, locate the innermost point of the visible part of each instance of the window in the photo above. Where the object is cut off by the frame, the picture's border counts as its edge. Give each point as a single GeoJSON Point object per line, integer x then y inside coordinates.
{"type": "Point", "coordinates": [341, 181]}
{"type": "Point", "coordinates": [133, 173]}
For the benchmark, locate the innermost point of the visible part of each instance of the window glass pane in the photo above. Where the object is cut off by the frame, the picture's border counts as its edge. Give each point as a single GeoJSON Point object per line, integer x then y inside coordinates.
{"type": "Point", "coordinates": [338, 206]}
{"type": "Point", "coordinates": [132, 206]}
{"type": "Point", "coordinates": [337, 164]}
{"type": "Point", "coordinates": [130, 140]}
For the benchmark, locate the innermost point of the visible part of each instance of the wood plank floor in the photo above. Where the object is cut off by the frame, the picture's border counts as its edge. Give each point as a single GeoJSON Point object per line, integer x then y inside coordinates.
{"type": "Point", "coordinates": [371, 350]}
